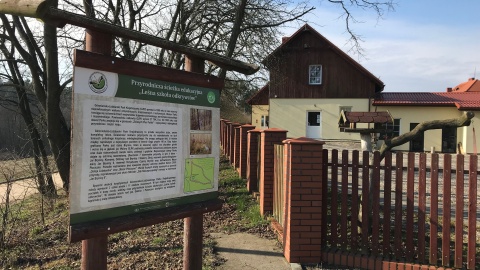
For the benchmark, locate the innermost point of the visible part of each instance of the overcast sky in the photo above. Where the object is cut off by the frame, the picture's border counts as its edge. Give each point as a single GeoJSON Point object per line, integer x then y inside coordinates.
{"type": "Point", "coordinates": [423, 46]}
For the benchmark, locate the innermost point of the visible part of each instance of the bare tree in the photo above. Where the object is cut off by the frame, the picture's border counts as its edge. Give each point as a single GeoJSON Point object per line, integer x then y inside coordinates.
{"type": "Point", "coordinates": [350, 7]}
{"type": "Point", "coordinates": [42, 167]}
{"type": "Point", "coordinates": [40, 54]}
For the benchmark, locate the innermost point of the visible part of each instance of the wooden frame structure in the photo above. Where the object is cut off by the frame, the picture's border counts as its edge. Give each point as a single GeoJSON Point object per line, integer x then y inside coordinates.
{"type": "Point", "coordinates": [99, 36]}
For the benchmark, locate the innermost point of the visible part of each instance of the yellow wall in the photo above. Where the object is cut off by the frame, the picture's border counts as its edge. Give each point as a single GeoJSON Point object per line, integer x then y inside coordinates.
{"type": "Point", "coordinates": [257, 112]}
{"type": "Point", "coordinates": [291, 114]}
{"type": "Point", "coordinates": [432, 138]}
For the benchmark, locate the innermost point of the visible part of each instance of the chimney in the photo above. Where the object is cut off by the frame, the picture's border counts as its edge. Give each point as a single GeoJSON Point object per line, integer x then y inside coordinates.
{"type": "Point", "coordinates": [284, 39]}
{"type": "Point", "coordinates": [471, 79]}
{"type": "Point", "coordinates": [449, 89]}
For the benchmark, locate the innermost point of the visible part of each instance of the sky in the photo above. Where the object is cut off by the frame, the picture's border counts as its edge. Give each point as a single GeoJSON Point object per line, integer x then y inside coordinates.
{"type": "Point", "coordinates": [422, 46]}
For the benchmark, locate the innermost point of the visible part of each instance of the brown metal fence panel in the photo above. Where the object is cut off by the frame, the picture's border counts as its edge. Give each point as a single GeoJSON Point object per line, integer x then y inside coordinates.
{"type": "Point", "coordinates": [355, 201]}
{"type": "Point", "coordinates": [422, 206]}
{"type": "Point", "coordinates": [387, 201]}
{"type": "Point", "coordinates": [325, 194]}
{"type": "Point", "coordinates": [365, 200]}
{"type": "Point", "coordinates": [375, 203]}
{"type": "Point", "coordinates": [402, 213]}
{"type": "Point", "coordinates": [433, 259]}
{"type": "Point", "coordinates": [447, 204]}
{"type": "Point", "coordinates": [334, 199]}
{"type": "Point", "coordinates": [410, 204]}
{"type": "Point", "coordinates": [278, 194]}
{"type": "Point", "coordinates": [259, 160]}
{"type": "Point", "coordinates": [344, 203]}
{"type": "Point", "coordinates": [472, 212]}
{"type": "Point", "coordinates": [459, 212]}
{"type": "Point", "coordinates": [398, 205]}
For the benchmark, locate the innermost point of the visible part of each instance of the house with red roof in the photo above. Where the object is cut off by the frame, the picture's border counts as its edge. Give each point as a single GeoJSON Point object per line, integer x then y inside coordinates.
{"type": "Point", "coordinates": [312, 81]}
{"type": "Point", "coordinates": [410, 109]}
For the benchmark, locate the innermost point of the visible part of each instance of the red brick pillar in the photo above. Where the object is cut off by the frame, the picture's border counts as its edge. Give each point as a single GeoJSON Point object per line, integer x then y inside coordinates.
{"type": "Point", "coordinates": [231, 141]}
{"type": "Point", "coordinates": [226, 137]}
{"type": "Point", "coordinates": [236, 147]}
{"type": "Point", "coordinates": [269, 137]}
{"type": "Point", "coordinates": [303, 200]}
{"type": "Point", "coordinates": [242, 162]}
{"type": "Point", "coordinates": [253, 138]}
{"type": "Point", "coordinates": [222, 130]}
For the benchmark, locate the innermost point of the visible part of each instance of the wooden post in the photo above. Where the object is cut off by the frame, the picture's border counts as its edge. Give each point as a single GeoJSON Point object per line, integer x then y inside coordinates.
{"type": "Point", "coordinates": [95, 250]}
{"type": "Point", "coordinates": [193, 226]}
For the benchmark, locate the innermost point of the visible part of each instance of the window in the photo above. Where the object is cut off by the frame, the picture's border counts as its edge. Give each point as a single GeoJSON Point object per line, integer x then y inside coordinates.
{"type": "Point", "coordinates": [315, 74]}
{"type": "Point", "coordinates": [391, 130]}
{"type": "Point", "coordinates": [264, 121]}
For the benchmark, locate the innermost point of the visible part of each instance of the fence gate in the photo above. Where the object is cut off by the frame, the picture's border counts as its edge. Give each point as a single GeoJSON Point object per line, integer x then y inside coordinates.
{"type": "Point", "coordinates": [259, 160]}
{"type": "Point", "coordinates": [278, 195]}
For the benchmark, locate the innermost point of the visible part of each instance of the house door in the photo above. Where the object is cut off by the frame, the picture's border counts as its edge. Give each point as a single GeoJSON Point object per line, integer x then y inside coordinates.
{"type": "Point", "coordinates": [449, 140]}
{"type": "Point", "coordinates": [416, 145]}
{"type": "Point", "coordinates": [314, 128]}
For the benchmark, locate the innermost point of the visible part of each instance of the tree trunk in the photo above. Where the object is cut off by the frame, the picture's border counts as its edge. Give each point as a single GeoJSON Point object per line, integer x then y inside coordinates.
{"type": "Point", "coordinates": [236, 31]}
{"type": "Point", "coordinates": [57, 130]}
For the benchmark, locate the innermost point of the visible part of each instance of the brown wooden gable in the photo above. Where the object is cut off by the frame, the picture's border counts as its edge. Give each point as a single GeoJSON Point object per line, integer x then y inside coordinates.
{"type": "Point", "coordinates": [260, 97]}
{"type": "Point", "coordinates": [342, 77]}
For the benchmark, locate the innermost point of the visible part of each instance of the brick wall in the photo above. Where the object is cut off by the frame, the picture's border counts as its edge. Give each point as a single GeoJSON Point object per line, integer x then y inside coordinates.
{"type": "Point", "coordinates": [303, 200]}
{"type": "Point", "coordinates": [242, 161]}
{"type": "Point", "coordinates": [269, 137]}
{"type": "Point", "coordinates": [236, 147]}
{"type": "Point", "coordinates": [231, 141]}
{"type": "Point", "coordinates": [252, 159]}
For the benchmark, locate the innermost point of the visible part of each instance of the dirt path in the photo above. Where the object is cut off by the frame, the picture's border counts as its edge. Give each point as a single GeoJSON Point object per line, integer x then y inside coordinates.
{"type": "Point", "coordinates": [23, 188]}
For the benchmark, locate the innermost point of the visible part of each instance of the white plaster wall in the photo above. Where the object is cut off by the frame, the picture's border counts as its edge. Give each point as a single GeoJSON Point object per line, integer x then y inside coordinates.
{"type": "Point", "coordinates": [291, 114]}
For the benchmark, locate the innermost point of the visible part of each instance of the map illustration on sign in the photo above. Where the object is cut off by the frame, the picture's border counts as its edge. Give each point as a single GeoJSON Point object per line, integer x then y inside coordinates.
{"type": "Point", "coordinates": [199, 174]}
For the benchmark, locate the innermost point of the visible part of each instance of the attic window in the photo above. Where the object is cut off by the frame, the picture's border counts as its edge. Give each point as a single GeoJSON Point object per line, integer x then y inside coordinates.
{"type": "Point", "coordinates": [314, 74]}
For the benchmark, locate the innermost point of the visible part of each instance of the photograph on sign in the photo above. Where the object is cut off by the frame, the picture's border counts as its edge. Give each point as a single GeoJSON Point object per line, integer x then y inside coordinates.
{"type": "Point", "coordinates": [140, 144]}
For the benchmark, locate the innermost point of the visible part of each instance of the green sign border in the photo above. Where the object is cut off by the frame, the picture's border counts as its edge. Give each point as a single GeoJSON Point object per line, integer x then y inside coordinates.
{"type": "Point", "coordinates": [155, 90]}
{"type": "Point", "coordinates": [139, 208]}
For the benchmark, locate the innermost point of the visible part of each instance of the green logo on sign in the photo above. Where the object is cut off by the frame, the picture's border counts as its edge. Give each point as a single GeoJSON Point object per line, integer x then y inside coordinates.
{"type": "Point", "coordinates": [211, 97]}
{"type": "Point", "coordinates": [97, 82]}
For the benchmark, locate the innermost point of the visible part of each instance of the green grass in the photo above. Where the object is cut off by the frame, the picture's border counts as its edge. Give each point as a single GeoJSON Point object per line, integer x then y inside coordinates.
{"type": "Point", "coordinates": [159, 241]}
{"type": "Point", "coordinates": [237, 194]}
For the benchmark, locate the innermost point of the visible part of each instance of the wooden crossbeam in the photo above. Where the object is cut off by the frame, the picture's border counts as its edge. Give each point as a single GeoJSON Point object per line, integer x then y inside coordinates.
{"type": "Point", "coordinates": [42, 10]}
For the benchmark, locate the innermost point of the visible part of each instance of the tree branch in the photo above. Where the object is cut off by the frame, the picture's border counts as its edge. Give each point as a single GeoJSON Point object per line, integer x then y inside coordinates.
{"type": "Point", "coordinates": [461, 121]}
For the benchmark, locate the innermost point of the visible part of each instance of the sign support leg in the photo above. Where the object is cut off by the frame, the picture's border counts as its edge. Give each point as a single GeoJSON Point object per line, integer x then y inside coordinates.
{"type": "Point", "coordinates": [94, 250]}
{"type": "Point", "coordinates": [193, 225]}
{"type": "Point", "coordinates": [193, 242]}
{"type": "Point", "coordinates": [94, 253]}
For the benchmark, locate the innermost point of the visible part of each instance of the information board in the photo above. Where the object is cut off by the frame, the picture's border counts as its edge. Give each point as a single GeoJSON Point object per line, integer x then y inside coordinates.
{"type": "Point", "coordinates": [140, 144]}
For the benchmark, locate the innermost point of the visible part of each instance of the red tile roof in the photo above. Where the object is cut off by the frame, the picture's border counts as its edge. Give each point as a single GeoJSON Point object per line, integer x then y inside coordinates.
{"type": "Point", "coordinates": [461, 100]}
{"type": "Point", "coordinates": [472, 85]}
